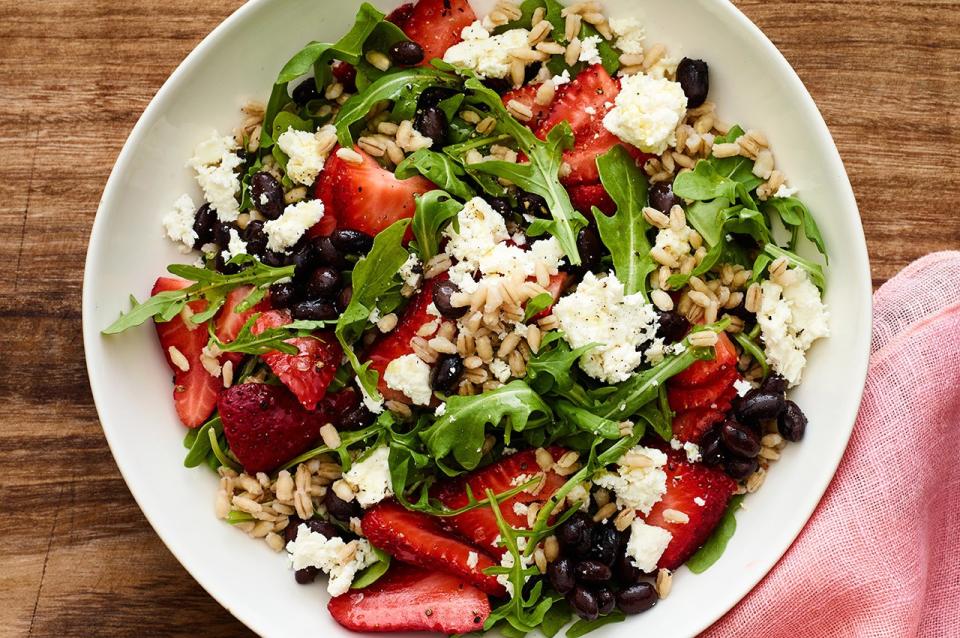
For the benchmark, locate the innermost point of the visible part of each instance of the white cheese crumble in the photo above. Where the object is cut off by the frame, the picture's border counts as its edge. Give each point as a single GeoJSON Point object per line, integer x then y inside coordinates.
{"type": "Point", "coordinates": [215, 161]}
{"type": "Point", "coordinates": [521, 509]}
{"type": "Point", "coordinates": [639, 488]}
{"type": "Point", "coordinates": [598, 312]}
{"type": "Point", "coordinates": [699, 501]}
{"type": "Point", "coordinates": [630, 34]}
{"type": "Point", "coordinates": [331, 556]}
{"type": "Point", "coordinates": [791, 318]}
{"type": "Point", "coordinates": [178, 223]}
{"type": "Point", "coordinates": [692, 451]}
{"type": "Point", "coordinates": [374, 405]}
{"type": "Point", "coordinates": [235, 246]}
{"type": "Point", "coordinates": [488, 55]}
{"type": "Point", "coordinates": [508, 561]}
{"type": "Point", "coordinates": [560, 80]}
{"type": "Point", "coordinates": [286, 230]}
{"type": "Point", "coordinates": [305, 153]}
{"type": "Point", "coordinates": [742, 386]}
{"type": "Point", "coordinates": [441, 410]}
{"type": "Point", "coordinates": [412, 271]}
{"type": "Point", "coordinates": [589, 52]}
{"type": "Point", "coordinates": [646, 113]}
{"type": "Point", "coordinates": [472, 559]}
{"type": "Point", "coordinates": [674, 243]}
{"type": "Point", "coordinates": [785, 191]}
{"type": "Point", "coordinates": [370, 477]}
{"type": "Point", "coordinates": [500, 369]}
{"type": "Point", "coordinates": [646, 545]}
{"type": "Point", "coordinates": [411, 376]}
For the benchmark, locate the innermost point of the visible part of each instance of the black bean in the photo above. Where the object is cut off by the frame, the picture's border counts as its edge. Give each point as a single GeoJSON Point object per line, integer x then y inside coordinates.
{"type": "Point", "coordinates": [592, 571]}
{"type": "Point", "coordinates": [792, 422]}
{"type": "Point", "coordinates": [774, 384]}
{"type": "Point", "coordinates": [710, 449]}
{"type": "Point", "coordinates": [314, 310]}
{"type": "Point", "coordinates": [625, 571]}
{"type": "Point", "coordinates": [606, 542]}
{"type": "Point", "coordinates": [339, 508]}
{"type": "Point", "coordinates": [406, 53]}
{"type": "Point", "coordinates": [304, 257]}
{"type": "Point", "coordinates": [204, 224]}
{"type": "Point", "coordinates": [662, 198]}
{"type": "Point", "coordinates": [351, 242]}
{"type": "Point", "coordinates": [584, 603]}
{"type": "Point", "coordinates": [560, 573]}
{"type": "Point", "coordinates": [500, 204]}
{"type": "Point", "coordinates": [446, 373]}
{"type": "Point", "coordinates": [672, 326]}
{"type": "Point", "coordinates": [499, 85]}
{"type": "Point", "coordinates": [255, 237]}
{"type": "Point", "coordinates": [739, 439]}
{"type": "Point", "coordinates": [222, 266]}
{"type": "Point", "coordinates": [431, 122]}
{"type": "Point", "coordinates": [305, 91]}
{"type": "Point", "coordinates": [221, 233]}
{"type": "Point", "coordinates": [433, 95]}
{"type": "Point", "coordinates": [442, 292]}
{"type": "Point", "coordinates": [329, 255]}
{"type": "Point", "coordinates": [306, 575]}
{"type": "Point", "coordinates": [739, 468]}
{"type": "Point", "coordinates": [274, 259]}
{"type": "Point", "coordinates": [694, 79]}
{"type": "Point", "coordinates": [575, 534]}
{"type": "Point", "coordinates": [606, 600]}
{"type": "Point", "coordinates": [324, 282]}
{"type": "Point", "coordinates": [757, 405]}
{"type": "Point", "coordinates": [283, 295]}
{"type": "Point", "coordinates": [532, 204]}
{"type": "Point", "coordinates": [590, 248]}
{"type": "Point", "coordinates": [637, 598]}
{"type": "Point", "coordinates": [266, 193]}
{"type": "Point", "coordinates": [356, 418]}
{"type": "Point", "coordinates": [319, 526]}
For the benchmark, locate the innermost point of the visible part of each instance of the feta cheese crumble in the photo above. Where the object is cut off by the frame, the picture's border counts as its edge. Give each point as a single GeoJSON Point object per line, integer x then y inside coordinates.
{"type": "Point", "coordinates": [286, 230]}
{"type": "Point", "coordinates": [560, 80]}
{"type": "Point", "coordinates": [509, 561]}
{"type": "Point", "coordinates": [791, 318]}
{"type": "Point", "coordinates": [178, 223]}
{"type": "Point", "coordinates": [598, 312]}
{"type": "Point", "coordinates": [340, 560]}
{"type": "Point", "coordinates": [742, 386]}
{"type": "Point", "coordinates": [215, 161]}
{"type": "Point", "coordinates": [472, 559]}
{"type": "Point", "coordinates": [411, 272]}
{"type": "Point", "coordinates": [488, 55]}
{"type": "Point", "coordinates": [785, 191]}
{"type": "Point", "coordinates": [646, 545]}
{"type": "Point", "coordinates": [646, 113]}
{"type": "Point", "coordinates": [235, 246]}
{"type": "Point", "coordinates": [305, 153]}
{"type": "Point", "coordinates": [411, 376]}
{"type": "Point", "coordinates": [374, 405]}
{"type": "Point", "coordinates": [370, 477]}
{"type": "Point", "coordinates": [589, 52]}
{"type": "Point", "coordinates": [639, 488]}
{"type": "Point", "coordinates": [630, 34]}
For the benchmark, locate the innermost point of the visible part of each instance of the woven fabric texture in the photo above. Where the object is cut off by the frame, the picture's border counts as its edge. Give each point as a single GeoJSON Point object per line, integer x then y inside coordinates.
{"type": "Point", "coordinates": [881, 554]}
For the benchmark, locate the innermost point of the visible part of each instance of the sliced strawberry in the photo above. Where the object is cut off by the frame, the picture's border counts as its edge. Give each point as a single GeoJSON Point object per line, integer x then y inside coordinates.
{"type": "Point", "coordinates": [702, 371]}
{"type": "Point", "coordinates": [396, 343]}
{"type": "Point", "coordinates": [434, 24]}
{"type": "Point", "coordinates": [480, 525]}
{"type": "Point", "coordinates": [527, 95]}
{"type": "Point", "coordinates": [365, 196]}
{"type": "Point", "coordinates": [418, 539]}
{"type": "Point", "coordinates": [706, 395]}
{"type": "Point", "coordinates": [229, 321]}
{"type": "Point", "coordinates": [557, 285]}
{"type": "Point", "coordinates": [690, 426]}
{"type": "Point", "coordinates": [194, 391]}
{"type": "Point", "coordinates": [309, 372]}
{"type": "Point", "coordinates": [685, 483]}
{"type": "Point", "coordinates": [585, 196]}
{"type": "Point", "coordinates": [408, 598]}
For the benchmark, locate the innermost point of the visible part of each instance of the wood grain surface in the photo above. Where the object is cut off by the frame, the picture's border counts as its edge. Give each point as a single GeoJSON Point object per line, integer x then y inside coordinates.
{"type": "Point", "coordinates": [78, 558]}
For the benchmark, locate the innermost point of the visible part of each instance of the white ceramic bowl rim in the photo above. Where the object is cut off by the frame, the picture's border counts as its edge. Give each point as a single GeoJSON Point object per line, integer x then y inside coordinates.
{"type": "Point", "coordinates": [856, 372]}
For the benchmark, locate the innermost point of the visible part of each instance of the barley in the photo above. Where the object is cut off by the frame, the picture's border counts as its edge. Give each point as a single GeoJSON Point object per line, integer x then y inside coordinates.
{"type": "Point", "coordinates": [350, 156]}
{"type": "Point", "coordinates": [729, 149]}
{"type": "Point", "coordinates": [533, 338]}
{"type": "Point", "coordinates": [520, 110]}
{"type": "Point", "coordinates": [703, 338]}
{"type": "Point", "coordinates": [178, 359]}
{"type": "Point", "coordinates": [333, 91]}
{"type": "Point", "coordinates": [755, 480]}
{"type": "Point", "coordinates": [769, 453]}
{"type": "Point", "coordinates": [517, 73]}
{"type": "Point", "coordinates": [664, 583]}
{"type": "Point", "coordinates": [605, 512]}
{"type": "Point", "coordinates": [330, 436]}
{"type": "Point", "coordinates": [387, 322]}
{"type": "Point", "coordinates": [678, 221]}
{"type": "Point", "coordinates": [544, 459]}
{"type": "Point", "coordinates": [486, 125]}
{"type": "Point", "coordinates": [551, 548]}
{"type": "Point", "coordinates": [568, 459]}
{"type": "Point", "coordinates": [443, 345]}
{"type": "Point", "coordinates": [573, 51]}
{"type": "Point", "coordinates": [539, 32]}
{"type": "Point", "coordinates": [624, 519]}
{"type": "Point", "coordinates": [655, 218]}
{"type": "Point", "coordinates": [378, 60]}
{"type": "Point", "coordinates": [675, 516]}
{"type": "Point", "coordinates": [551, 48]}
{"type": "Point", "coordinates": [227, 374]}
{"type": "Point", "coordinates": [661, 256]}
{"type": "Point", "coordinates": [572, 28]}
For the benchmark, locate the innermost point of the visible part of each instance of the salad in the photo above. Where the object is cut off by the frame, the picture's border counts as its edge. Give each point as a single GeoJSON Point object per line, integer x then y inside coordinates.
{"type": "Point", "coordinates": [492, 319]}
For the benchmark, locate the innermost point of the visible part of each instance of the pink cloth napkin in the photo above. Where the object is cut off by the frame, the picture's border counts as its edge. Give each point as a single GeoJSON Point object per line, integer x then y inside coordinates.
{"type": "Point", "coordinates": [881, 554]}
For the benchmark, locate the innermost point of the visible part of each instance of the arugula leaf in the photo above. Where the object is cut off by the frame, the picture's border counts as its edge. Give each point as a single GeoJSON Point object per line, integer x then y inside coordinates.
{"type": "Point", "coordinates": [211, 287]}
{"type": "Point", "coordinates": [624, 232]}
{"type": "Point", "coordinates": [536, 305]}
{"type": "Point", "coordinates": [586, 421]}
{"type": "Point", "coordinates": [451, 105]}
{"type": "Point", "coordinates": [551, 370]}
{"type": "Point", "coordinates": [554, 620]}
{"type": "Point", "coordinates": [439, 169]}
{"type": "Point", "coordinates": [219, 453]}
{"type": "Point", "coordinates": [460, 432]}
{"type": "Point", "coordinates": [372, 574]}
{"type": "Point", "coordinates": [814, 270]}
{"type": "Point", "coordinates": [711, 551]}
{"type": "Point", "coordinates": [347, 440]}
{"type": "Point", "coordinates": [752, 348]}
{"type": "Point", "coordinates": [794, 213]}
{"type": "Point", "coordinates": [707, 219]}
{"type": "Point", "coordinates": [200, 450]}
{"type": "Point", "coordinates": [704, 183]}
{"type": "Point", "coordinates": [432, 211]}
{"type": "Point", "coordinates": [541, 175]}
{"type": "Point", "coordinates": [583, 627]}
{"type": "Point", "coordinates": [270, 339]}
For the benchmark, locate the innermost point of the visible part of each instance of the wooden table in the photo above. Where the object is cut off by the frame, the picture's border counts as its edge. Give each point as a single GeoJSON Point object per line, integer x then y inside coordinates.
{"type": "Point", "coordinates": [78, 556]}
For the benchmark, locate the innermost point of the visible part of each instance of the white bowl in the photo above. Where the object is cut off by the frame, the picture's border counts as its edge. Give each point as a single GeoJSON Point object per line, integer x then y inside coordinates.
{"type": "Point", "coordinates": [752, 84]}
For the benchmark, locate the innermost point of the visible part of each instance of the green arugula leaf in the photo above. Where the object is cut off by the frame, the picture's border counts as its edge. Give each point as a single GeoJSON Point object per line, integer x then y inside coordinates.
{"type": "Point", "coordinates": [711, 551]}
{"type": "Point", "coordinates": [271, 339]}
{"type": "Point", "coordinates": [211, 287]}
{"type": "Point", "coordinates": [583, 627]}
{"type": "Point", "coordinates": [704, 183]}
{"type": "Point", "coordinates": [814, 270]}
{"type": "Point", "coordinates": [220, 453]}
{"type": "Point", "coordinates": [586, 421]}
{"type": "Point", "coordinates": [439, 169]}
{"type": "Point", "coordinates": [555, 619]}
{"type": "Point", "coordinates": [752, 348]}
{"type": "Point", "coordinates": [433, 210]}
{"type": "Point", "coordinates": [794, 213]}
{"type": "Point", "coordinates": [625, 232]}
{"type": "Point", "coordinates": [372, 574]}
{"type": "Point", "coordinates": [200, 450]}
{"type": "Point", "coordinates": [451, 105]}
{"type": "Point", "coordinates": [536, 305]}
{"type": "Point", "coordinates": [551, 370]}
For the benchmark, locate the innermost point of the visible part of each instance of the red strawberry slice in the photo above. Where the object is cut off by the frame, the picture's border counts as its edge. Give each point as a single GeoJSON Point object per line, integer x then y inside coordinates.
{"type": "Point", "coordinates": [434, 24]}
{"type": "Point", "coordinates": [194, 391]}
{"type": "Point", "coordinates": [480, 525]}
{"type": "Point", "coordinates": [702, 371]}
{"type": "Point", "coordinates": [707, 395]}
{"type": "Point", "coordinates": [396, 343]}
{"type": "Point", "coordinates": [585, 196]}
{"type": "Point", "coordinates": [583, 103]}
{"type": "Point", "coordinates": [685, 483]}
{"type": "Point", "coordinates": [266, 426]}
{"type": "Point", "coordinates": [527, 95]}
{"type": "Point", "coordinates": [690, 426]}
{"type": "Point", "coordinates": [229, 321]}
{"type": "Point", "coordinates": [365, 196]}
{"type": "Point", "coordinates": [412, 599]}
{"type": "Point", "coordinates": [309, 372]}
{"type": "Point", "coordinates": [557, 285]}
{"type": "Point", "coordinates": [417, 538]}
